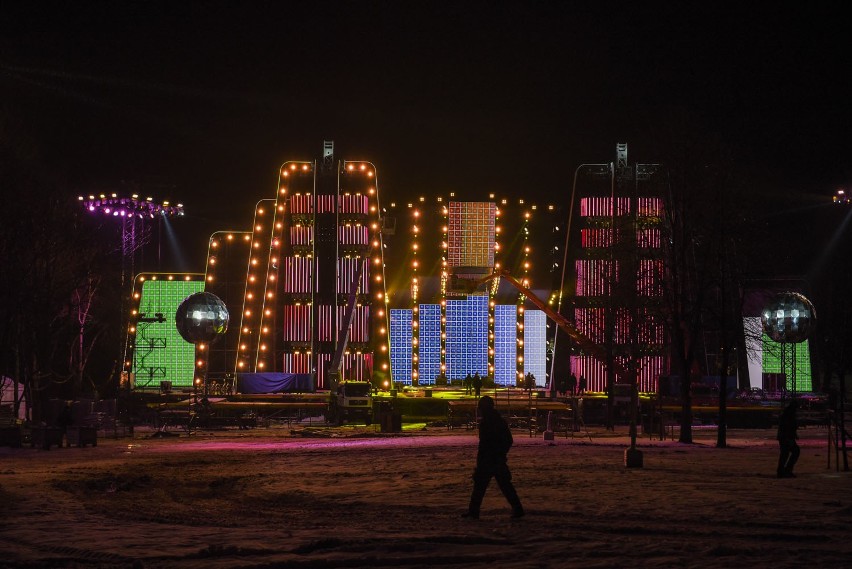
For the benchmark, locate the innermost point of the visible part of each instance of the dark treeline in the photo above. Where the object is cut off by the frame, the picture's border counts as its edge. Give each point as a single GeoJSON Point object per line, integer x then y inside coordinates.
{"type": "Point", "coordinates": [59, 283]}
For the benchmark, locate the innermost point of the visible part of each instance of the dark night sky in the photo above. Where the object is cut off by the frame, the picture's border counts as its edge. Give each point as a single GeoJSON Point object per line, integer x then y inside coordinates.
{"type": "Point", "coordinates": [208, 98]}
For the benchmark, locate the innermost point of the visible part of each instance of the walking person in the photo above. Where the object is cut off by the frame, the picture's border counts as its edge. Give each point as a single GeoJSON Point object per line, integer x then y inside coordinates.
{"type": "Point", "coordinates": [63, 421]}
{"type": "Point", "coordinates": [788, 424]}
{"type": "Point", "coordinates": [495, 440]}
{"type": "Point", "coordinates": [477, 384]}
{"type": "Point", "coordinates": [572, 384]}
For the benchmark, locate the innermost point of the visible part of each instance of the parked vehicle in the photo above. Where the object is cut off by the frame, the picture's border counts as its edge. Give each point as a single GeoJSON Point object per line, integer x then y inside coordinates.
{"type": "Point", "coordinates": [351, 401]}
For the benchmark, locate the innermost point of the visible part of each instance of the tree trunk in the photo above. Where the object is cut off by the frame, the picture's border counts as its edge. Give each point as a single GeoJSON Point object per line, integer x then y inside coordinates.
{"type": "Point", "coordinates": [685, 405]}
{"type": "Point", "coordinates": [722, 430]}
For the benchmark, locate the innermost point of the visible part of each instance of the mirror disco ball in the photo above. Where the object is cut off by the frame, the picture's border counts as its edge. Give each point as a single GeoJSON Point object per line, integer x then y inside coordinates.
{"type": "Point", "coordinates": [789, 318]}
{"type": "Point", "coordinates": [202, 317]}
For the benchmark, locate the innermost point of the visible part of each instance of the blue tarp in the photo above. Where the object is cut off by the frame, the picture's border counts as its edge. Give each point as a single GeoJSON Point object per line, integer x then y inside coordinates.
{"type": "Point", "coordinates": [274, 383]}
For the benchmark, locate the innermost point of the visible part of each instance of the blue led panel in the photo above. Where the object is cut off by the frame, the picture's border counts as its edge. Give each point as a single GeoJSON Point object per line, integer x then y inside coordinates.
{"type": "Point", "coordinates": [456, 338]}
{"type": "Point", "coordinates": [400, 345]}
{"type": "Point", "coordinates": [429, 343]}
{"type": "Point", "coordinates": [535, 345]}
{"type": "Point", "coordinates": [467, 337]}
{"type": "Point", "coordinates": [505, 344]}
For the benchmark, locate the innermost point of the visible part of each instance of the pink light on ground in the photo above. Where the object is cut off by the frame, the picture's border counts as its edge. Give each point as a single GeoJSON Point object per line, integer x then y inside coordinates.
{"type": "Point", "coordinates": [357, 443]}
{"type": "Point", "coordinates": [293, 445]}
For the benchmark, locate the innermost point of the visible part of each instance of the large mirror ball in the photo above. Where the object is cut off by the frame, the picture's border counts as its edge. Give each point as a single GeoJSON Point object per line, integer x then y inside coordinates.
{"type": "Point", "coordinates": [789, 318]}
{"type": "Point", "coordinates": [202, 318]}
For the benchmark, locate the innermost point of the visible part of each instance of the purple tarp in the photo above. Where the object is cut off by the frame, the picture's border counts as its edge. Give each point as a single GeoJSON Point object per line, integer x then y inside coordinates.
{"type": "Point", "coordinates": [274, 383]}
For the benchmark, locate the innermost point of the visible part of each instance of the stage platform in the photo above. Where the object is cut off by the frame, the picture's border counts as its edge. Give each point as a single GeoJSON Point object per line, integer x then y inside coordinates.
{"type": "Point", "coordinates": [455, 407]}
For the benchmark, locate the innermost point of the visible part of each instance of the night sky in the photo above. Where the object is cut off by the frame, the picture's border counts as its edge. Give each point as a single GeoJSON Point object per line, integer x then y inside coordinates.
{"type": "Point", "coordinates": [200, 102]}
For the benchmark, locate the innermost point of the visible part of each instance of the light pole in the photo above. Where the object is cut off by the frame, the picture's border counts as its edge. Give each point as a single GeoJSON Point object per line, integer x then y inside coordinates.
{"type": "Point", "coordinates": [843, 197]}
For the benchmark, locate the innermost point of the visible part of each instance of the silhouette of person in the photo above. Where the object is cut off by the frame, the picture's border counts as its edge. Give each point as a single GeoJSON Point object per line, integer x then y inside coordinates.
{"type": "Point", "coordinates": [582, 385]}
{"type": "Point", "coordinates": [789, 450]}
{"type": "Point", "coordinates": [572, 384]}
{"type": "Point", "coordinates": [468, 384]}
{"type": "Point", "coordinates": [63, 421]}
{"type": "Point", "coordinates": [561, 385]}
{"type": "Point", "coordinates": [495, 440]}
{"type": "Point", "coordinates": [477, 384]}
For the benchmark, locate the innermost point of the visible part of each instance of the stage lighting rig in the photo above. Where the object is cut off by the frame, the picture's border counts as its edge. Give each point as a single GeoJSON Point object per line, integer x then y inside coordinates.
{"type": "Point", "coordinates": [135, 216]}
{"type": "Point", "coordinates": [132, 206]}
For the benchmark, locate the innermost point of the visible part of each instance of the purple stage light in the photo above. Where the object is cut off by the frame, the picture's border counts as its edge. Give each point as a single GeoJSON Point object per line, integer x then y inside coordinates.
{"type": "Point", "coordinates": [130, 207]}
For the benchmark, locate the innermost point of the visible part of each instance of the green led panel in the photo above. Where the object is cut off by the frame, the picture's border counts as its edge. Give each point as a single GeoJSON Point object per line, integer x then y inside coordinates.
{"type": "Point", "coordinates": [772, 363]}
{"type": "Point", "coordinates": [160, 353]}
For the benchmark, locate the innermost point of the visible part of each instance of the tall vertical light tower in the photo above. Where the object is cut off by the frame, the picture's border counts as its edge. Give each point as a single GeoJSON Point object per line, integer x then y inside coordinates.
{"type": "Point", "coordinates": [320, 237]}
{"type": "Point", "coordinates": [619, 275]}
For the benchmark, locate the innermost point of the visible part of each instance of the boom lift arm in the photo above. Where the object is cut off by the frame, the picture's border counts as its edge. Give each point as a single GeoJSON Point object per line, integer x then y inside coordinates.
{"type": "Point", "coordinates": [578, 337]}
{"type": "Point", "coordinates": [343, 334]}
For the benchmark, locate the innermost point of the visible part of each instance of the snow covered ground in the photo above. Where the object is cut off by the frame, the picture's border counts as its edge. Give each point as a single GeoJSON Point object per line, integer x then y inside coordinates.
{"type": "Point", "coordinates": [348, 497]}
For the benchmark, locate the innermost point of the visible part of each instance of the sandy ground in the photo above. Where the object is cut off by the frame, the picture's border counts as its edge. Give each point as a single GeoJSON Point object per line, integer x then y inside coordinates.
{"type": "Point", "coordinates": [314, 498]}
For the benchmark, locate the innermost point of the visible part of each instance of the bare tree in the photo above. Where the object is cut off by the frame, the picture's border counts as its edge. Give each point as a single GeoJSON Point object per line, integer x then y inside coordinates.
{"type": "Point", "coordinates": [53, 262]}
{"type": "Point", "coordinates": [704, 241]}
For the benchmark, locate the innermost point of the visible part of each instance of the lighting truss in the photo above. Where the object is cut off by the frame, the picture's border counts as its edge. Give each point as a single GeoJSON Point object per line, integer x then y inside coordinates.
{"type": "Point", "coordinates": [133, 206]}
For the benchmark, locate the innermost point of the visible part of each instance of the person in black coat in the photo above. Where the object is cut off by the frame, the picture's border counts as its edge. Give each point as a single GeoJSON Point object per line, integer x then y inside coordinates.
{"type": "Point", "coordinates": [495, 440]}
{"type": "Point", "coordinates": [477, 384]}
{"type": "Point", "coordinates": [63, 421]}
{"type": "Point", "coordinates": [787, 426]}
{"type": "Point", "coordinates": [572, 385]}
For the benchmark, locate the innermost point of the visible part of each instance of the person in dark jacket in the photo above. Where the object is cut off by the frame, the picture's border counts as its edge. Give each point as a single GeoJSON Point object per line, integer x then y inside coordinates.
{"type": "Point", "coordinates": [63, 421]}
{"type": "Point", "coordinates": [477, 384]}
{"type": "Point", "coordinates": [495, 440]}
{"type": "Point", "coordinates": [787, 435]}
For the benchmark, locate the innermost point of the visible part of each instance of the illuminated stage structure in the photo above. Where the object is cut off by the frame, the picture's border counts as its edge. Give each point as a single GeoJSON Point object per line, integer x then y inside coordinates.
{"type": "Point", "coordinates": [286, 282]}
{"type": "Point", "coordinates": [439, 328]}
{"type": "Point", "coordinates": [619, 272]}
{"type": "Point", "coordinates": [287, 278]}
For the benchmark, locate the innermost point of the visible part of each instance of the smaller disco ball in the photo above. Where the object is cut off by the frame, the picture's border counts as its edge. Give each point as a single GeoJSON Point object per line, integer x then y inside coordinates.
{"type": "Point", "coordinates": [202, 317]}
{"type": "Point", "coordinates": [789, 318]}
